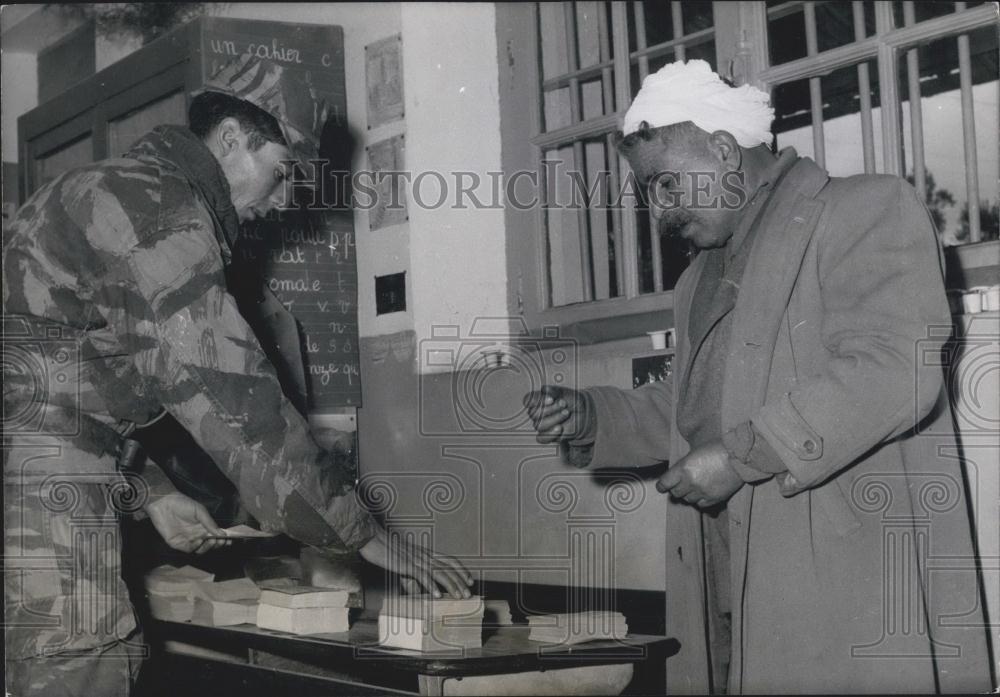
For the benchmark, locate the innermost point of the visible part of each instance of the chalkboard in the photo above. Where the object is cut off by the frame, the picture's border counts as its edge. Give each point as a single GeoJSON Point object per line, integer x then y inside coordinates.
{"type": "Point", "coordinates": [306, 257]}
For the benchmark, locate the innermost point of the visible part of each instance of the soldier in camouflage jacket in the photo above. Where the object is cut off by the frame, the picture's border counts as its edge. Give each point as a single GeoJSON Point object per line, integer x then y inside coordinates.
{"type": "Point", "coordinates": [115, 308]}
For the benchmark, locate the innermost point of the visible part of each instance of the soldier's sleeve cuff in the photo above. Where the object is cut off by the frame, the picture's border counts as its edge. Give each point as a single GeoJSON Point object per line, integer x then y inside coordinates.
{"type": "Point", "coordinates": [156, 485]}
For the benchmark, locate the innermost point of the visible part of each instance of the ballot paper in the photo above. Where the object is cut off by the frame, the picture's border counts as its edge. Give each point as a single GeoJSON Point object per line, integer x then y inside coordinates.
{"type": "Point", "coordinates": [427, 635]}
{"type": "Point", "coordinates": [225, 603]}
{"type": "Point", "coordinates": [172, 580]}
{"type": "Point", "coordinates": [241, 532]}
{"type": "Point", "coordinates": [305, 620]}
{"type": "Point", "coordinates": [226, 591]}
{"type": "Point", "coordinates": [174, 608]}
{"type": "Point", "coordinates": [296, 597]}
{"type": "Point", "coordinates": [577, 627]}
{"type": "Point", "coordinates": [170, 591]}
{"type": "Point", "coordinates": [221, 613]}
{"type": "Point", "coordinates": [424, 623]}
{"type": "Point", "coordinates": [429, 607]}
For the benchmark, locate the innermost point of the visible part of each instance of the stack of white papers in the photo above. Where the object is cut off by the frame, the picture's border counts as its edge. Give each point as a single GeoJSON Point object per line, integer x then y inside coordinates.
{"type": "Point", "coordinates": [303, 610]}
{"type": "Point", "coordinates": [577, 627]}
{"type": "Point", "coordinates": [225, 603]}
{"type": "Point", "coordinates": [423, 623]}
{"type": "Point", "coordinates": [170, 591]}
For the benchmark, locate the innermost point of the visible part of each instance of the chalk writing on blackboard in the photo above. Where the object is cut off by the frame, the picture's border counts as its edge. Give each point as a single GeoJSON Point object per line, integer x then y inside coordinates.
{"type": "Point", "coordinates": [306, 258]}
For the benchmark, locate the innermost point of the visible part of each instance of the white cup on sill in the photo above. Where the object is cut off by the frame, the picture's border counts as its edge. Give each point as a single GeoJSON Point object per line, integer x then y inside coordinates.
{"type": "Point", "coordinates": [991, 298]}
{"type": "Point", "coordinates": [972, 302]}
{"type": "Point", "coordinates": [662, 338]}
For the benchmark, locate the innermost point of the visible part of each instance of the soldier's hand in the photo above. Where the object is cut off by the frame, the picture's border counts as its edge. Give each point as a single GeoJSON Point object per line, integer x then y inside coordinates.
{"type": "Point", "coordinates": [184, 524]}
{"type": "Point", "coordinates": [560, 413]}
{"type": "Point", "coordinates": [702, 478]}
{"type": "Point", "coordinates": [419, 564]}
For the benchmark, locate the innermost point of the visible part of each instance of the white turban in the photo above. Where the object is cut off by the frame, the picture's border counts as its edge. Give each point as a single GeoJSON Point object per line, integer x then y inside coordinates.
{"type": "Point", "coordinates": [690, 91]}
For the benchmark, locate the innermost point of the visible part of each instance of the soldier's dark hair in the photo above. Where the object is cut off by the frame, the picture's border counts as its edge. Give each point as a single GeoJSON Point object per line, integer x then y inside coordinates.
{"type": "Point", "coordinates": [209, 109]}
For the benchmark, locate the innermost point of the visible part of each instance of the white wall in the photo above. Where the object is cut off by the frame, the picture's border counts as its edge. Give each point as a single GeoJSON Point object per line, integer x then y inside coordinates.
{"type": "Point", "coordinates": [453, 124]}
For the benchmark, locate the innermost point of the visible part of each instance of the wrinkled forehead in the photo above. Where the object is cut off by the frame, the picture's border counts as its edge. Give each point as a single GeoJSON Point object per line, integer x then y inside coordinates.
{"type": "Point", "coordinates": [648, 158]}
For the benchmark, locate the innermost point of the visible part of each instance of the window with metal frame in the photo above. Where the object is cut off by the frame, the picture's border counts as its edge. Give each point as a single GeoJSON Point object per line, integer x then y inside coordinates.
{"type": "Point", "coordinates": [593, 56]}
{"type": "Point", "coordinates": [902, 88]}
{"type": "Point", "coordinates": [834, 69]}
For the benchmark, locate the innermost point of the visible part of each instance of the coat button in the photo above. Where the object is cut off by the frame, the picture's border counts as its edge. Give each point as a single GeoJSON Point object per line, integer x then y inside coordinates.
{"type": "Point", "coordinates": [809, 446]}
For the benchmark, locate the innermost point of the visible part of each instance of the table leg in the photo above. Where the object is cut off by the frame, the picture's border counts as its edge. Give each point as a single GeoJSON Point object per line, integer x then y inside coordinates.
{"type": "Point", "coordinates": [432, 685]}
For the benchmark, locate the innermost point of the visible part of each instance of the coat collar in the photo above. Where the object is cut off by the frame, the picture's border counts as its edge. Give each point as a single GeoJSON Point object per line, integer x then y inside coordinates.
{"type": "Point", "coordinates": [197, 164]}
{"type": "Point", "coordinates": [781, 236]}
{"type": "Point", "coordinates": [772, 269]}
{"type": "Point", "coordinates": [720, 262]}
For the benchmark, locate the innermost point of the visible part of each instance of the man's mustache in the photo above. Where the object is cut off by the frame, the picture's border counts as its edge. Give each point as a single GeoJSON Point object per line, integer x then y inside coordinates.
{"type": "Point", "coordinates": [673, 224]}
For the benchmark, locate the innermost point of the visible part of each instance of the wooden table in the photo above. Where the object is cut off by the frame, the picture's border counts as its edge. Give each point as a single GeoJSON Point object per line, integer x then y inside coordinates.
{"type": "Point", "coordinates": [247, 660]}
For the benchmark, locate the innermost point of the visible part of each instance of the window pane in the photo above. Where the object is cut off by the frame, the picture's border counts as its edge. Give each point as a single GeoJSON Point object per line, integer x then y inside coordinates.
{"type": "Point", "coordinates": [786, 36]}
{"type": "Point", "coordinates": [124, 131]}
{"type": "Point", "coordinates": [557, 109]}
{"type": "Point", "coordinates": [697, 16]}
{"type": "Point", "coordinates": [654, 63]}
{"type": "Point", "coordinates": [946, 191]}
{"type": "Point", "coordinates": [834, 27]}
{"type": "Point", "coordinates": [923, 10]}
{"type": "Point", "coordinates": [580, 222]}
{"type": "Point", "coordinates": [644, 225]}
{"type": "Point", "coordinates": [563, 229]}
{"type": "Point", "coordinates": [592, 94]}
{"type": "Point", "coordinates": [552, 34]}
{"type": "Point", "coordinates": [597, 198]}
{"type": "Point", "coordinates": [587, 32]}
{"type": "Point", "coordinates": [842, 119]}
{"type": "Point", "coordinates": [792, 118]}
{"type": "Point", "coordinates": [659, 22]}
{"type": "Point", "coordinates": [835, 24]}
{"type": "Point", "coordinates": [704, 51]}
{"type": "Point", "coordinates": [869, 18]}
{"type": "Point", "coordinates": [844, 148]}
{"type": "Point", "coordinates": [675, 254]}
{"type": "Point", "coordinates": [55, 162]}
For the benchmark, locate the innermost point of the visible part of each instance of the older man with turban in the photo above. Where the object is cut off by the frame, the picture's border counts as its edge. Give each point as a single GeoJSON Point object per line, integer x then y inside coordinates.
{"type": "Point", "coordinates": [806, 421]}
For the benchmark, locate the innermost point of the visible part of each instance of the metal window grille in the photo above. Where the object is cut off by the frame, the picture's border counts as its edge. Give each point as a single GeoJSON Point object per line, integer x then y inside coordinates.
{"type": "Point", "coordinates": [593, 57]}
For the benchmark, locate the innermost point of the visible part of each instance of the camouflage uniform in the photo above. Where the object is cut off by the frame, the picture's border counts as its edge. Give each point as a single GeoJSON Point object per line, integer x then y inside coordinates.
{"type": "Point", "coordinates": [115, 307]}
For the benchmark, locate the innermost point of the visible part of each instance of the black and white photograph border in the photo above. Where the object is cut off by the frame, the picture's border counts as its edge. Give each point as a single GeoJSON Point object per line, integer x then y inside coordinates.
{"type": "Point", "coordinates": [554, 348]}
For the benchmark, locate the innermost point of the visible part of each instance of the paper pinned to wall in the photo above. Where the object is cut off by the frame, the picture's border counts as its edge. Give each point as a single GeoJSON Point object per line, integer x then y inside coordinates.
{"type": "Point", "coordinates": [384, 80]}
{"type": "Point", "coordinates": [386, 160]}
